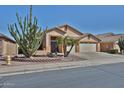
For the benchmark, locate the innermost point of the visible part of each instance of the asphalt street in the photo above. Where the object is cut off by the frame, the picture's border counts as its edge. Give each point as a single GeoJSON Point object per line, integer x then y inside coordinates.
{"type": "Point", "coordinates": [103, 76]}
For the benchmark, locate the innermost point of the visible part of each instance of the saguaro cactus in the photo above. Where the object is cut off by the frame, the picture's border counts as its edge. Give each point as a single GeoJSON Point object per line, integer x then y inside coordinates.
{"type": "Point", "coordinates": [121, 44]}
{"type": "Point", "coordinates": [27, 34]}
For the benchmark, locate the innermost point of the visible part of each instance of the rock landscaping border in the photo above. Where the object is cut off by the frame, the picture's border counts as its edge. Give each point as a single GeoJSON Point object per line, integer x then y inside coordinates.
{"type": "Point", "coordinates": [47, 59]}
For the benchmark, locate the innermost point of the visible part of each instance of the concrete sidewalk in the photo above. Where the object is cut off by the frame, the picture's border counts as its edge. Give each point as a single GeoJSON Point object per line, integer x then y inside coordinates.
{"type": "Point", "coordinates": [37, 67]}
{"type": "Point", "coordinates": [22, 67]}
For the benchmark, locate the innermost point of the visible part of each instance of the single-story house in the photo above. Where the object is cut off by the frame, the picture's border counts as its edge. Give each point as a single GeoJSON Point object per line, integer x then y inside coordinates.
{"type": "Point", "coordinates": [7, 46]}
{"type": "Point", "coordinates": [109, 41]}
{"type": "Point", "coordinates": [87, 42]}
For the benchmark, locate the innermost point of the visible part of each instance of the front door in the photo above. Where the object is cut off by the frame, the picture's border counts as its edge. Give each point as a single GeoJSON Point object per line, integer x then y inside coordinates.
{"type": "Point", "coordinates": [54, 47]}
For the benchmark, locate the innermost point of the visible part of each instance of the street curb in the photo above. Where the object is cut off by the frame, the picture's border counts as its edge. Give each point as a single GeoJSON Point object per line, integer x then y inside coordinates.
{"type": "Point", "coordinates": [37, 70]}
{"type": "Point", "coordinates": [49, 69]}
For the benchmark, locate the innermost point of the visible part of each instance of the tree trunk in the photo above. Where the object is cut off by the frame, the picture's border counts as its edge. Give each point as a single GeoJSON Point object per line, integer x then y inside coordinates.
{"type": "Point", "coordinates": [122, 51]}
{"type": "Point", "coordinates": [65, 50]}
{"type": "Point", "coordinates": [68, 52]}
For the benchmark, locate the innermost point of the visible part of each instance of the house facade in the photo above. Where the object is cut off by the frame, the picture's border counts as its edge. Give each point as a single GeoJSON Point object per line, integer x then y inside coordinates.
{"type": "Point", "coordinates": [109, 41]}
{"type": "Point", "coordinates": [7, 46]}
{"type": "Point", "coordinates": [87, 42]}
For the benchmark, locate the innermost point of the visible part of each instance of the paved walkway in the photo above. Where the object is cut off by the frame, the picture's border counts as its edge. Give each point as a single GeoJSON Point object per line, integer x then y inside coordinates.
{"type": "Point", "coordinates": [93, 59]}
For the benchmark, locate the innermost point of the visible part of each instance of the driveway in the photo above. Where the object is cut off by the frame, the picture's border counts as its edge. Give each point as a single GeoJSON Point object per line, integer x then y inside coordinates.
{"type": "Point", "coordinates": [101, 57]}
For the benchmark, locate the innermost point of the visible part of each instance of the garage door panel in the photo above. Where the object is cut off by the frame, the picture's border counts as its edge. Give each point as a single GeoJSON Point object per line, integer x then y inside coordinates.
{"type": "Point", "coordinates": [84, 47]}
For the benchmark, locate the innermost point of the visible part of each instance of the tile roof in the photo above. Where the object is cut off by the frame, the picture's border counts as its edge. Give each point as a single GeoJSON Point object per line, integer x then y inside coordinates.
{"type": "Point", "coordinates": [105, 34]}
{"type": "Point", "coordinates": [55, 28]}
{"type": "Point", "coordinates": [67, 25]}
{"type": "Point", "coordinates": [88, 34]}
{"type": "Point", "coordinates": [109, 37]}
{"type": "Point", "coordinates": [4, 36]}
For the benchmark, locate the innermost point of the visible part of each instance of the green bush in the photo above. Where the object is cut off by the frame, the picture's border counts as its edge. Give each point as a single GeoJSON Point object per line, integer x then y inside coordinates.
{"type": "Point", "coordinates": [113, 51]}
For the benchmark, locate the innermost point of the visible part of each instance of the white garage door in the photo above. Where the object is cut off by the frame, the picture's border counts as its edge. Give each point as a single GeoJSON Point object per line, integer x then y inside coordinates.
{"type": "Point", "coordinates": [85, 47]}
{"type": "Point", "coordinates": [73, 49]}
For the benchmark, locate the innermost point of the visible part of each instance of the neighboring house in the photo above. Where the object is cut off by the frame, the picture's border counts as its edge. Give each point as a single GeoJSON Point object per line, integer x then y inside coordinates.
{"type": "Point", "coordinates": [87, 42]}
{"type": "Point", "coordinates": [7, 46]}
{"type": "Point", "coordinates": [109, 41]}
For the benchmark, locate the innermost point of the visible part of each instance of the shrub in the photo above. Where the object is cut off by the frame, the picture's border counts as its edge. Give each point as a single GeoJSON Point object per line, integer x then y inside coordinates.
{"type": "Point", "coordinates": [51, 54]}
{"type": "Point", "coordinates": [113, 51]}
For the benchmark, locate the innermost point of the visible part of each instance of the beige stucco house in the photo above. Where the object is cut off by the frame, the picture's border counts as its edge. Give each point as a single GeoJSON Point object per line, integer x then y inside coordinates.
{"type": "Point", "coordinates": [7, 46]}
{"type": "Point", "coordinates": [87, 42]}
{"type": "Point", "coordinates": [109, 41]}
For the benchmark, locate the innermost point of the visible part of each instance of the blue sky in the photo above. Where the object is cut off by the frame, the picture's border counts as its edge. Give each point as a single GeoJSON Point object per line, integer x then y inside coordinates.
{"type": "Point", "coordinates": [87, 19]}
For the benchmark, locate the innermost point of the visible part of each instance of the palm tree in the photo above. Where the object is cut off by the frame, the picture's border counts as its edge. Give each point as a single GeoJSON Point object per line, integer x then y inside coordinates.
{"type": "Point", "coordinates": [67, 41]}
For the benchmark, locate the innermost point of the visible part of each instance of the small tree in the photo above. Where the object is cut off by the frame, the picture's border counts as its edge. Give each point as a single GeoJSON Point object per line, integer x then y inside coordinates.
{"type": "Point", "coordinates": [67, 41]}
{"type": "Point", "coordinates": [121, 44]}
{"type": "Point", "coordinates": [28, 35]}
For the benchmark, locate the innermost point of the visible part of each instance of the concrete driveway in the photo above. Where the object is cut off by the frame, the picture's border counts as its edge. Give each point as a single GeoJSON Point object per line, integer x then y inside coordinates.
{"type": "Point", "coordinates": [99, 58]}
{"type": "Point", "coordinates": [99, 55]}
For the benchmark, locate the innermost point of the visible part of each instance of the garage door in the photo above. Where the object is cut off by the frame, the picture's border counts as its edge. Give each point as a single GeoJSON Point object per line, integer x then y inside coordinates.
{"type": "Point", "coordinates": [85, 47]}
